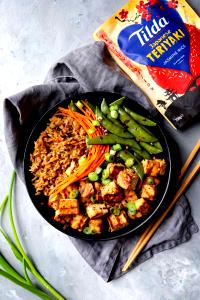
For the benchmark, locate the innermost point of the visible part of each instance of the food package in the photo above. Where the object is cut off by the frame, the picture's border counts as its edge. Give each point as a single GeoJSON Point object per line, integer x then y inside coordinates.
{"type": "Point", "coordinates": [157, 44]}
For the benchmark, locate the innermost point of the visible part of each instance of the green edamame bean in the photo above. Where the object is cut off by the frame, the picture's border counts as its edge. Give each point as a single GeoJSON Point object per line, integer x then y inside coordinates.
{"type": "Point", "coordinates": [140, 119]}
{"type": "Point", "coordinates": [104, 107]}
{"type": "Point", "coordinates": [116, 122]}
{"type": "Point", "coordinates": [117, 102]}
{"type": "Point", "coordinates": [151, 149]}
{"type": "Point", "coordinates": [135, 129]}
{"type": "Point", "coordinates": [111, 139]}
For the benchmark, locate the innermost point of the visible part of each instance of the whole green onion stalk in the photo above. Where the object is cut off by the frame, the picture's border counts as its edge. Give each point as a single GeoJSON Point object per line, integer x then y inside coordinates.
{"type": "Point", "coordinates": [8, 271]}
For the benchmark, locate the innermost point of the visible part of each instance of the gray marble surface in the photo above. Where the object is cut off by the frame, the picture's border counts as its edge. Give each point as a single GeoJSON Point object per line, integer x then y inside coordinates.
{"type": "Point", "coordinates": [33, 34]}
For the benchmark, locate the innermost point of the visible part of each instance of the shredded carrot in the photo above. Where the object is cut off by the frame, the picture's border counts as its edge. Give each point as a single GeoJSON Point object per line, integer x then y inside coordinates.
{"type": "Point", "coordinates": [96, 153]}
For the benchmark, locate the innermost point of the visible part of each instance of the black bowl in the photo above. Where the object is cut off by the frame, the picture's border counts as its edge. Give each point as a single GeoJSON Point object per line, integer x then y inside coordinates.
{"type": "Point", "coordinates": [40, 202]}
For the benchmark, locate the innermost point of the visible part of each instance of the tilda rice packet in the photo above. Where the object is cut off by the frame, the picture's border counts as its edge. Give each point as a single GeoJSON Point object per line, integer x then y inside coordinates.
{"type": "Point", "coordinates": [157, 44]}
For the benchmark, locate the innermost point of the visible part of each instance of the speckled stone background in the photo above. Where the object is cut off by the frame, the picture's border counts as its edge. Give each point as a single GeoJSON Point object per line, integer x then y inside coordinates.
{"type": "Point", "coordinates": [33, 34]}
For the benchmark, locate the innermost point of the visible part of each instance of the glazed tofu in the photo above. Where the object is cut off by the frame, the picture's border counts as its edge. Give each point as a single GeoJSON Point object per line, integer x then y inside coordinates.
{"type": "Point", "coordinates": [117, 222]}
{"type": "Point", "coordinates": [96, 225]}
{"type": "Point", "coordinates": [97, 187]}
{"type": "Point", "coordinates": [78, 222]}
{"type": "Point", "coordinates": [148, 191]}
{"type": "Point", "coordinates": [127, 179]}
{"type": "Point", "coordinates": [114, 169]}
{"type": "Point", "coordinates": [111, 192]}
{"type": "Point", "coordinates": [54, 201]}
{"type": "Point", "coordinates": [142, 209]}
{"type": "Point", "coordinates": [154, 167]}
{"type": "Point", "coordinates": [86, 189]}
{"type": "Point", "coordinates": [68, 207]}
{"type": "Point", "coordinates": [130, 195]}
{"type": "Point", "coordinates": [95, 211]}
{"type": "Point", "coordinates": [63, 219]}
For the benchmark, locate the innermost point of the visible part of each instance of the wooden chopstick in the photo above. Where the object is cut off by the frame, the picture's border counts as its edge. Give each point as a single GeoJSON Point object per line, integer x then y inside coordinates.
{"type": "Point", "coordinates": [153, 227]}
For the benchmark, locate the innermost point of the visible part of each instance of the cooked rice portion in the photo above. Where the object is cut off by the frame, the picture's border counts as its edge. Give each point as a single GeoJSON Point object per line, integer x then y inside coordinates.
{"type": "Point", "coordinates": [57, 149]}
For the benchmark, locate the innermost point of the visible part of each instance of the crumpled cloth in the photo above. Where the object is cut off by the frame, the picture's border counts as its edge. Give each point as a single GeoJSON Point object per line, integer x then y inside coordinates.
{"type": "Point", "coordinates": [86, 70]}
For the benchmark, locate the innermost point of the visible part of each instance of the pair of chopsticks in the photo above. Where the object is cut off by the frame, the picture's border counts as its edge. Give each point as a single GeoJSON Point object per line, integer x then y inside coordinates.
{"type": "Point", "coordinates": [148, 233]}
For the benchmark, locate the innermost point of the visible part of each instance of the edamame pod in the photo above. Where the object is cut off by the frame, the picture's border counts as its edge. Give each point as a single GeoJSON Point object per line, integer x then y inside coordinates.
{"type": "Point", "coordinates": [140, 119]}
{"type": "Point", "coordinates": [135, 129]}
{"type": "Point", "coordinates": [117, 102]}
{"type": "Point", "coordinates": [104, 107]}
{"type": "Point", "coordinates": [151, 149]}
{"type": "Point", "coordinates": [111, 139]}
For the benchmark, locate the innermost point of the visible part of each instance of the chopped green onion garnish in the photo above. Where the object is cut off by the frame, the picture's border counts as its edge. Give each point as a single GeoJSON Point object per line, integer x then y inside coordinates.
{"type": "Point", "coordinates": [81, 160]}
{"type": "Point", "coordinates": [88, 230]}
{"type": "Point", "coordinates": [106, 181]}
{"type": "Point", "coordinates": [129, 162]}
{"type": "Point", "coordinates": [131, 207]}
{"type": "Point", "coordinates": [93, 200]}
{"type": "Point", "coordinates": [79, 104]}
{"type": "Point", "coordinates": [150, 180]}
{"type": "Point", "coordinates": [93, 176]}
{"type": "Point", "coordinates": [114, 107]}
{"type": "Point", "coordinates": [73, 194]}
{"type": "Point", "coordinates": [91, 130]}
{"type": "Point", "coordinates": [115, 211]}
{"type": "Point", "coordinates": [109, 157]}
{"type": "Point", "coordinates": [95, 123]}
{"type": "Point", "coordinates": [105, 174]}
{"type": "Point", "coordinates": [117, 147]}
{"type": "Point", "coordinates": [112, 152]}
{"type": "Point", "coordinates": [98, 170]}
{"type": "Point", "coordinates": [114, 114]}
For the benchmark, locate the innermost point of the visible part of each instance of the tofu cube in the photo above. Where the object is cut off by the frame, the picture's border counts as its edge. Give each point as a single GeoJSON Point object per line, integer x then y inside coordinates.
{"type": "Point", "coordinates": [68, 207]}
{"type": "Point", "coordinates": [154, 167]}
{"type": "Point", "coordinates": [96, 225]}
{"type": "Point", "coordinates": [117, 222]}
{"type": "Point", "coordinates": [127, 179]}
{"type": "Point", "coordinates": [142, 209]}
{"type": "Point", "coordinates": [148, 191]}
{"type": "Point", "coordinates": [114, 169]}
{"type": "Point", "coordinates": [95, 211]}
{"type": "Point", "coordinates": [78, 222]}
{"type": "Point", "coordinates": [112, 192]}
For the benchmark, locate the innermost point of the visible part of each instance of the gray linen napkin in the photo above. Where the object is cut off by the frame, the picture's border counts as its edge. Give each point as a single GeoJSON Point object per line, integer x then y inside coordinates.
{"type": "Point", "coordinates": [85, 70]}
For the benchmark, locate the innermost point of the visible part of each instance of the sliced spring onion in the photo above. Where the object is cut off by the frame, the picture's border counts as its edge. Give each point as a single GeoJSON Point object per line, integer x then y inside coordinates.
{"type": "Point", "coordinates": [73, 194]}
{"type": "Point", "coordinates": [91, 130]}
{"type": "Point", "coordinates": [93, 200]}
{"type": "Point", "coordinates": [106, 181]}
{"type": "Point", "coordinates": [98, 170]}
{"type": "Point", "coordinates": [131, 207]}
{"type": "Point", "coordinates": [109, 157]}
{"type": "Point", "coordinates": [150, 180]}
{"type": "Point", "coordinates": [117, 147]}
{"type": "Point", "coordinates": [129, 162]}
{"type": "Point", "coordinates": [95, 123]}
{"type": "Point", "coordinates": [115, 210]}
{"type": "Point", "coordinates": [93, 176]}
{"type": "Point", "coordinates": [105, 174]}
{"type": "Point", "coordinates": [112, 152]}
{"type": "Point", "coordinates": [88, 230]}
